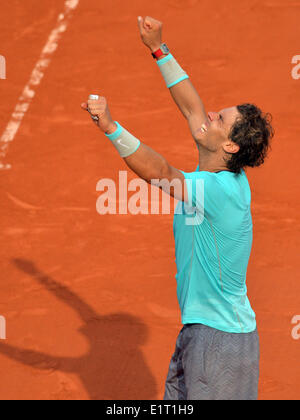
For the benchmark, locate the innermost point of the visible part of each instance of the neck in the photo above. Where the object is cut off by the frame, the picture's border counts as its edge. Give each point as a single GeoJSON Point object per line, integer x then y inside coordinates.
{"type": "Point", "coordinates": [211, 162]}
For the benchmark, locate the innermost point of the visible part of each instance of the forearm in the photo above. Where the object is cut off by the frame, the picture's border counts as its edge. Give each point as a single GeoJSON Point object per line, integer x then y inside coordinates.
{"type": "Point", "coordinates": [183, 92]}
{"type": "Point", "coordinates": [154, 169]}
{"type": "Point", "coordinates": [147, 164]}
{"type": "Point", "coordinates": [141, 159]}
{"type": "Point", "coordinates": [187, 99]}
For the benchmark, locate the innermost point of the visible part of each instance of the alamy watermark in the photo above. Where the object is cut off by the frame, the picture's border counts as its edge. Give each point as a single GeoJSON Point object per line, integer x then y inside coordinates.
{"type": "Point", "coordinates": [2, 67]}
{"type": "Point", "coordinates": [296, 329]}
{"type": "Point", "coordinates": [116, 200]}
{"type": "Point", "coordinates": [296, 69]}
{"type": "Point", "coordinates": [2, 328]}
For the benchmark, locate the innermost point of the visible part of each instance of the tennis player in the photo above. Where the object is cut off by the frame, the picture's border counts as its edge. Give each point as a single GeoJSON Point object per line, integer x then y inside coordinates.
{"type": "Point", "coordinates": [217, 352]}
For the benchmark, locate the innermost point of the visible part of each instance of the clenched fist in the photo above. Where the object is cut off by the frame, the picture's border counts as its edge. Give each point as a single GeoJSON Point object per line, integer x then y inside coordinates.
{"type": "Point", "coordinates": [99, 108]}
{"type": "Point", "coordinates": [151, 32]}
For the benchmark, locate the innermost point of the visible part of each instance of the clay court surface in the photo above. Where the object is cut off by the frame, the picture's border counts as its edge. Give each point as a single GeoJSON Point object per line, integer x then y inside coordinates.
{"type": "Point", "coordinates": [89, 300]}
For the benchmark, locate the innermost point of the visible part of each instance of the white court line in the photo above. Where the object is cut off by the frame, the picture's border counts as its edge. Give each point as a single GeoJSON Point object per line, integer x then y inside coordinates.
{"type": "Point", "coordinates": [37, 74]}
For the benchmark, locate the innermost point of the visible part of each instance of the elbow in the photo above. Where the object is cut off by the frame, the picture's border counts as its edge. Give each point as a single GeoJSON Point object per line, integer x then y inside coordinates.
{"type": "Point", "coordinates": [159, 172]}
{"type": "Point", "coordinates": [164, 170]}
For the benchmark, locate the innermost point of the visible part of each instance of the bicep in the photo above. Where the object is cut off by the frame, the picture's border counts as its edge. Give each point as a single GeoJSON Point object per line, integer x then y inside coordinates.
{"type": "Point", "coordinates": [173, 183]}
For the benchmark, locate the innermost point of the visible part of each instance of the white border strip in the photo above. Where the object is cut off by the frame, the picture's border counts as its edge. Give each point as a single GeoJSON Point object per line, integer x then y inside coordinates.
{"type": "Point", "coordinates": [35, 79]}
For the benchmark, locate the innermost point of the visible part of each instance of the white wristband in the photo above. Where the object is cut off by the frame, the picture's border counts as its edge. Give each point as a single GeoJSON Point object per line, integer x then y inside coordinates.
{"type": "Point", "coordinates": [124, 142]}
{"type": "Point", "coordinates": [171, 71]}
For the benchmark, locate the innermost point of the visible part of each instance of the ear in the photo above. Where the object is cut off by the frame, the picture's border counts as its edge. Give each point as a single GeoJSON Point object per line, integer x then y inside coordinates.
{"type": "Point", "coordinates": [231, 147]}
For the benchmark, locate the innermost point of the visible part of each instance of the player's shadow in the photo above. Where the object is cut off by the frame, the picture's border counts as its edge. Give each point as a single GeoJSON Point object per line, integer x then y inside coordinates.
{"type": "Point", "coordinates": [114, 368]}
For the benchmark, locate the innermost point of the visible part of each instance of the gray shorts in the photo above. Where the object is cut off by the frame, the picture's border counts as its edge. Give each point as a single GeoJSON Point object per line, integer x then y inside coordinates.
{"type": "Point", "coordinates": [209, 364]}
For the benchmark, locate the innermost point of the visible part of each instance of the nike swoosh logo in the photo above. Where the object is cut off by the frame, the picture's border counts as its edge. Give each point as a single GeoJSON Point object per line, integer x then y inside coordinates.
{"type": "Point", "coordinates": [122, 144]}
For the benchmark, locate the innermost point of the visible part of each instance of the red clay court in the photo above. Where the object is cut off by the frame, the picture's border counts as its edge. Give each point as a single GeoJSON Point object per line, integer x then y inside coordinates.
{"type": "Point", "coordinates": [89, 300]}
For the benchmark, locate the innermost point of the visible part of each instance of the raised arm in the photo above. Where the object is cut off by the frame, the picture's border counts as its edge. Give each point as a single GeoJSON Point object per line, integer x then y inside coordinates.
{"type": "Point", "coordinates": [182, 90]}
{"type": "Point", "coordinates": [144, 161]}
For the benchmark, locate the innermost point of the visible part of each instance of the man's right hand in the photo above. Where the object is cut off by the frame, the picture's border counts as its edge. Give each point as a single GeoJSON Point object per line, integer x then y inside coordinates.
{"type": "Point", "coordinates": [151, 32]}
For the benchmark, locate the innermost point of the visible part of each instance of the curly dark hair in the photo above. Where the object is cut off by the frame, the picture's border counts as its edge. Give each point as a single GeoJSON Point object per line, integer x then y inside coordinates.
{"type": "Point", "coordinates": [252, 132]}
